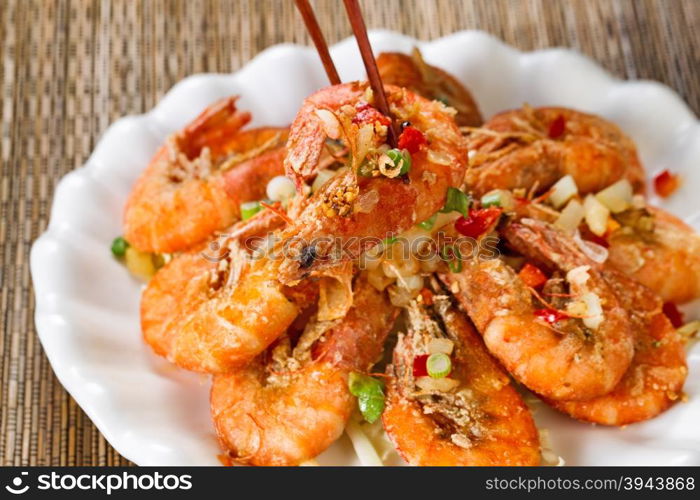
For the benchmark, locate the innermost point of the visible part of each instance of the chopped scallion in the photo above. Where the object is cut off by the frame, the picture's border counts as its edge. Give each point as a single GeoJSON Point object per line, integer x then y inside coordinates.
{"type": "Point", "coordinates": [400, 158]}
{"type": "Point", "coordinates": [453, 257]}
{"type": "Point", "coordinates": [369, 392]}
{"type": "Point", "coordinates": [250, 208]}
{"type": "Point", "coordinates": [438, 365]}
{"type": "Point", "coordinates": [428, 224]}
{"type": "Point", "coordinates": [119, 246]}
{"type": "Point", "coordinates": [457, 201]}
{"type": "Point", "coordinates": [492, 199]}
{"type": "Point", "coordinates": [389, 240]}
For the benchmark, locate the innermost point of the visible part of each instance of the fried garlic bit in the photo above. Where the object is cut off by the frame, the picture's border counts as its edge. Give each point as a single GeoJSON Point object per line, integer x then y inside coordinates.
{"type": "Point", "coordinates": [340, 200]}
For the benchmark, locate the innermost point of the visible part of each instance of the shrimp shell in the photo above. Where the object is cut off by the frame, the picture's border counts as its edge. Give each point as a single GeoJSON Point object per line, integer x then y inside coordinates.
{"type": "Point", "coordinates": [654, 381]}
{"type": "Point", "coordinates": [397, 204]}
{"type": "Point", "coordinates": [514, 149]}
{"type": "Point", "coordinates": [558, 364]}
{"type": "Point", "coordinates": [500, 429]}
{"type": "Point", "coordinates": [293, 415]}
{"type": "Point", "coordinates": [195, 183]}
{"type": "Point", "coordinates": [207, 323]}
{"type": "Point", "coordinates": [429, 81]}
{"type": "Point", "coordinates": [667, 261]}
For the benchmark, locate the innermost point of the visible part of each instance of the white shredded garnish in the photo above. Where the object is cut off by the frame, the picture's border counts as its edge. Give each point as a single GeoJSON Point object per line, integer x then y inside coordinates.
{"type": "Point", "coordinates": [378, 439]}
{"type": "Point", "coordinates": [549, 457]}
{"type": "Point", "coordinates": [364, 448]}
{"type": "Point", "coordinates": [689, 331]}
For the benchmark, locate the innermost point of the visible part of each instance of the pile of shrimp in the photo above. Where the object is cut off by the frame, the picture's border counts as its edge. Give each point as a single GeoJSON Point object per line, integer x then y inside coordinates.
{"type": "Point", "coordinates": [327, 279]}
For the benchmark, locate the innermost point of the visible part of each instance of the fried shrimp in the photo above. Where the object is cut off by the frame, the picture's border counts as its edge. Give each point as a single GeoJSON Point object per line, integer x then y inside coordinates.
{"type": "Point", "coordinates": [473, 417]}
{"type": "Point", "coordinates": [293, 401]}
{"type": "Point", "coordinates": [664, 255]}
{"type": "Point", "coordinates": [196, 182]}
{"type": "Point", "coordinates": [373, 198]}
{"type": "Point", "coordinates": [533, 148]}
{"type": "Point", "coordinates": [413, 73]}
{"type": "Point", "coordinates": [215, 314]}
{"type": "Point", "coordinates": [654, 380]}
{"type": "Point", "coordinates": [577, 351]}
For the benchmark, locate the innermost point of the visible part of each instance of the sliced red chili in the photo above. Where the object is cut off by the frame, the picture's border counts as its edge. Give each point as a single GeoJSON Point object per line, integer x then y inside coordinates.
{"type": "Point", "coordinates": [666, 183]}
{"type": "Point", "coordinates": [478, 222]}
{"type": "Point", "coordinates": [420, 365]}
{"type": "Point", "coordinates": [411, 139]}
{"type": "Point", "coordinates": [557, 127]}
{"type": "Point", "coordinates": [532, 276]}
{"type": "Point", "coordinates": [366, 113]}
{"type": "Point", "coordinates": [550, 316]}
{"type": "Point", "coordinates": [673, 314]}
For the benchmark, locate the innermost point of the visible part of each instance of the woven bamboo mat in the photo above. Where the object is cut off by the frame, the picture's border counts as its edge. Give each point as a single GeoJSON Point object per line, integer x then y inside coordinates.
{"type": "Point", "coordinates": [70, 68]}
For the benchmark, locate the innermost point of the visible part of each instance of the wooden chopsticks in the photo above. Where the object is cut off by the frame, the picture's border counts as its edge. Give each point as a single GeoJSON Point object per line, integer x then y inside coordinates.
{"type": "Point", "coordinates": [360, 30]}
{"type": "Point", "coordinates": [317, 37]}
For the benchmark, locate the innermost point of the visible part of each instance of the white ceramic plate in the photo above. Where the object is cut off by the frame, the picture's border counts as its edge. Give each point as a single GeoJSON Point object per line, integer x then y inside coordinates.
{"type": "Point", "coordinates": [154, 414]}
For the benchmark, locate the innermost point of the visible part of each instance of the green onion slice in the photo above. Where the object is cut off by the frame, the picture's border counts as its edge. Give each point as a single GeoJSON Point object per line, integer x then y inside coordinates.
{"type": "Point", "coordinates": [250, 208]}
{"type": "Point", "coordinates": [453, 257]}
{"type": "Point", "coordinates": [491, 200]}
{"type": "Point", "coordinates": [457, 201]}
{"type": "Point", "coordinates": [428, 224]}
{"type": "Point", "coordinates": [119, 246]}
{"type": "Point", "coordinates": [439, 365]}
{"type": "Point", "coordinates": [389, 240]}
{"type": "Point", "coordinates": [369, 392]}
{"type": "Point", "coordinates": [400, 158]}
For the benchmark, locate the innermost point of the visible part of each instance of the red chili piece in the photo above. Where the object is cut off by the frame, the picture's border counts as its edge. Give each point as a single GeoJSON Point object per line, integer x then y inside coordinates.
{"type": "Point", "coordinates": [411, 139]}
{"type": "Point", "coordinates": [666, 183]}
{"type": "Point", "coordinates": [532, 276]}
{"type": "Point", "coordinates": [557, 127]}
{"type": "Point", "coordinates": [420, 365]}
{"type": "Point", "coordinates": [478, 222]}
{"type": "Point", "coordinates": [673, 314]}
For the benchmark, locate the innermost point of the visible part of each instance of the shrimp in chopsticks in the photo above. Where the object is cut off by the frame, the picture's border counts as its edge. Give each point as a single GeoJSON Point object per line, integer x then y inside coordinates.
{"type": "Point", "coordinates": [471, 416]}
{"type": "Point", "coordinates": [384, 190]}
{"type": "Point", "coordinates": [196, 182]}
{"type": "Point", "coordinates": [293, 401]}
